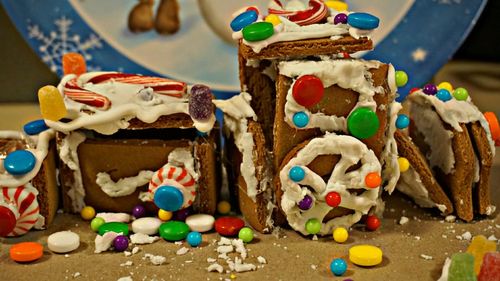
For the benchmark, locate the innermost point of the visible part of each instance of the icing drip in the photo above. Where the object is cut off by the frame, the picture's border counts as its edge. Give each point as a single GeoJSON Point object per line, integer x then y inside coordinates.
{"type": "Point", "coordinates": [124, 186]}
{"type": "Point", "coordinates": [351, 151]}
{"type": "Point", "coordinates": [347, 74]}
{"type": "Point", "coordinates": [411, 184]}
{"type": "Point", "coordinates": [68, 152]}
{"type": "Point", "coordinates": [390, 172]}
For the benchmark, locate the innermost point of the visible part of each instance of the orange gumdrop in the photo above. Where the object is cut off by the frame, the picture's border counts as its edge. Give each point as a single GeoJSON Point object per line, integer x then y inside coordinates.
{"type": "Point", "coordinates": [373, 180]}
{"type": "Point", "coordinates": [494, 126]}
{"type": "Point", "coordinates": [73, 63]}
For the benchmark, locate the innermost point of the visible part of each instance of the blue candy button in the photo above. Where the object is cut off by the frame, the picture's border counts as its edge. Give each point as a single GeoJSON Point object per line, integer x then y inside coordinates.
{"type": "Point", "coordinates": [35, 127]}
{"type": "Point", "coordinates": [19, 162]}
{"type": "Point", "coordinates": [402, 121]}
{"type": "Point", "coordinates": [168, 198]}
{"type": "Point", "coordinates": [362, 21]}
{"type": "Point", "coordinates": [300, 119]}
{"type": "Point", "coordinates": [443, 95]}
{"type": "Point", "coordinates": [243, 19]}
{"type": "Point", "coordinates": [296, 174]}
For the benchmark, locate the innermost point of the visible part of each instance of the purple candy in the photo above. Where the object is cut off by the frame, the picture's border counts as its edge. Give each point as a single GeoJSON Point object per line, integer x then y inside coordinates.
{"type": "Point", "coordinates": [120, 243]}
{"type": "Point", "coordinates": [200, 103]}
{"type": "Point", "coordinates": [138, 211]}
{"type": "Point", "coordinates": [182, 214]}
{"type": "Point", "coordinates": [340, 18]}
{"type": "Point", "coordinates": [306, 203]}
{"type": "Point", "coordinates": [430, 89]}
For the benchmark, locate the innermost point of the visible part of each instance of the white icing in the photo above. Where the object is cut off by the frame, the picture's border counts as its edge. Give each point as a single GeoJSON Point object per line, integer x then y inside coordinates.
{"type": "Point", "coordinates": [182, 157]}
{"type": "Point", "coordinates": [68, 153]}
{"type": "Point", "coordinates": [390, 165]}
{"type": "Point", "coordinates": [104, 242]}
{"type": "Point", "coordinates": [124, 186]}
{"type": "Point", "coordinates": [477, 169]}
{"type": "Point", "coordinates": [114, 217]}
{"type": "Point", "coordinates": [351, 151]}
{"type": "Point", "coordinates": [347, 74]}
{"type": "Point", "coordinates": [126, 104]}
{"type": "Point", "coordinates": [445, 270]}
{"type": "Point", "coordinates": [411, 184]}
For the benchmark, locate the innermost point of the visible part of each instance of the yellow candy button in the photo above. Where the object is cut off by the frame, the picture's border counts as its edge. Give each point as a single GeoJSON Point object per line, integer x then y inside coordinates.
{"type": "Point", "coordinates": [337, 5]}
{"type": "Point", "coordinates": [365, 255]}
{"type": "Point", "coordinates": [274, 19]}
{"type": "Point", "coordinates": [445, 85]}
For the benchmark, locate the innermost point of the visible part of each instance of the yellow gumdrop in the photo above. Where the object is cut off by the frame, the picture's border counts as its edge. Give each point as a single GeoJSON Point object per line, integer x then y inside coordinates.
{"type": "Point", "coordinates": [87, 213]}
{"type": "Point", "coordinates": [223, 207]}
{"type": "Point", "coordinates": [339, 6]}
{"type": "Point", "coordinates": [365, 255]}
{"type": "Point", "coordinates": [445, 85]}
{"type": "Point", "coordinates": [164, 215]}
{"type": "Point", "coordinates": [51, 103]}
{"type": "Point", "coordinates": [340, 235]}
{"type": "Point", "coordinates": [274, 19]}
{"type": "Point", "coordinates": [478, 247]}
{"type": "Point", "coordinates": [404, 164]}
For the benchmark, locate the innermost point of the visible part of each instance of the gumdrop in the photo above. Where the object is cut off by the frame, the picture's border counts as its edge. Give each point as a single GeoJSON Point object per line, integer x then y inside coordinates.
{"type": "Point", "coordinates": [51, 103]}
{"type": "Point", "coordinates": [478, 247]}
{"type": "Point", "coordinates": [490, 270]}
{"type": "Point", "coordinates": [462, 268]}
{"type": "Point", "coordinates": [200, 103]}
{"type": "Point", "coordinates": [73, 63]}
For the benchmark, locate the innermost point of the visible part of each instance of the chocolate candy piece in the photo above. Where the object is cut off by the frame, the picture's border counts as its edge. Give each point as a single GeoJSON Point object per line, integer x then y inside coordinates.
{"type": "Point", "coordinates": [168, 198]}
{"type": "Point", "coordinates": [363, 123]}
{"type": "Point", "coordinates": [461, 268]}
{"type": "Point", "coordinates": [117, 227]}
{"type": "Point", "coordinates": [19, 162]}
{"type": "Point", "coordinates": [174, 230]}
{"type": "Point", "coordinates": [363, 21]}
{"type": "Point", "coordinates": [200, 103]}
{"type": "Point", "coordinates": [35, 127]}
{"type": "Point", "coordinates": [308, 90]}
{"type": "Point", "coordinates": [243, 19]}
{"type": "Point", "coordinates": [229, 226]}
{"type": "Point", "coordinates": [258, 31]}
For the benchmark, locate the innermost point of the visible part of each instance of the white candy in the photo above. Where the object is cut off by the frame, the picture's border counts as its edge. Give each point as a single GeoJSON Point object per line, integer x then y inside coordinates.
{"type": "Point", "coordinates": [200, 222]}
{"type": "Point", "coordinates": [114, 217]}
{"type": "Point", "coordinates": [63, 242]}
{"type": "Point", "coordinates": [147, 225]}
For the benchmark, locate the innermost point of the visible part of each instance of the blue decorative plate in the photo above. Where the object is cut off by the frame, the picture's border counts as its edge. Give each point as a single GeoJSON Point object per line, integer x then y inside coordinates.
{"type": "Point", "coordinates": [416, 36]}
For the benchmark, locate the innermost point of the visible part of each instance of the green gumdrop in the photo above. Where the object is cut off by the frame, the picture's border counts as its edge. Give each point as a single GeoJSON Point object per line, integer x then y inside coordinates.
{"type": "Point", "coordinates": [401, 78]}
{"type": "Point", "coordinates": [462, 268]}
{"type": "Point", "coordinates": [363, 123]}
{"type": "Point", "coordinates": [258, 31]}
{"type": "Point", "coordinates": [313, 226]}
{"type": "Point", "coordinates": [174, 230]}
{"type": "Point", "coordinates": [118, 227]}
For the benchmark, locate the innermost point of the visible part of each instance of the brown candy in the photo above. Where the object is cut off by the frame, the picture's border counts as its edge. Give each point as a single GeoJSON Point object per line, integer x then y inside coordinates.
{"type": "Point", "coordinates": [141, 18]}
{"type": "Point", "coordinates": [167, 17]}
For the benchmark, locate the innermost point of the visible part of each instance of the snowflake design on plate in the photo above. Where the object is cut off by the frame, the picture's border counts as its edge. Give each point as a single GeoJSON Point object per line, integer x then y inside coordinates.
{"type": "Point", "coordinates": [56, 43]}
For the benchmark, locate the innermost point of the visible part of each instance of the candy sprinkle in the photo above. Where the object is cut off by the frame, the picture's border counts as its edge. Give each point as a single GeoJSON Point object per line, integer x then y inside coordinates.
{"type": "Point", "coordinates": [373, 180]}
{"type": "Point", "coordinates": [461, 94]}
{"type": "Point", "coordinates": [296, 174]}
{"type": "Point", "coordinates": [404, 164]}
{"type": "Point", "coordinates": [401, 78]}
{"type": "Point", "coordinates": [445, 85]}
{"type": "Point", "coordinates": [338, 267]}
{"type": "Point", "coordinates": [340, 235]}
{"type": "Point", "coordinates": [313, 226]}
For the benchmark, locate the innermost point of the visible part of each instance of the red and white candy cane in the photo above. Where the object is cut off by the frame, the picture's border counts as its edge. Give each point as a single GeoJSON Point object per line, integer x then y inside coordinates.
{"type": "Point", "coordinates": [162, 86]}
{"type": "Point", "coordinates": [177, 177]}
{"type": "Point", "coordinates": [19, 210]}
{"type": "Point", "coordinates": [316, 12]}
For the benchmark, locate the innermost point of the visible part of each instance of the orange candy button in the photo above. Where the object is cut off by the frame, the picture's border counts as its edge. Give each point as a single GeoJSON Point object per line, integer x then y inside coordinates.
{"type": "Point", "coordinates": [494, 126]}
{"type": "Point", "coordinates": [73, 63]}
{"type": "Point", "coordinates": [26, 251]}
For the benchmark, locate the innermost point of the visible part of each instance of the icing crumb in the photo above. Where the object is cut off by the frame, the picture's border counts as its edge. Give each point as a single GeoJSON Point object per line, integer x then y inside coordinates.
{"type": "Point", "coordinates": [314, 267]}
{"type": "Point", "coordinates": [135, 250]}
{"type": "Point", "coordinates": [490, 210]}
{"type": "Point", "coordinates": [126, 278]}
{"type": "Point", "coordinates": [403, 220]}
{"type": "Point", "coordinates": [127, 263]}
{"type": "Point", "coordinates": [492, 238]}
{"type": "Point", "coordinates": [215, 267]}
{"type": "Point", "coordinates": [77, 274]}
{"type": "Point", "coordinates": [156, 260]}
{"type": "Point", "coordinates": [315, 237]}
{"type": "Point", "coordinates": [261, 260]}
{"type": "Point", "coordinates": [211, 260]}
{"type": "Point", "coordinates": [426, 257]}
{"type": "Point", "coordinates": [127, 253]}
{"type": "Point", "coordinates": [465, 236]}
{"type": "Point", "coordinates": [141, 238]}
{"type": "Point", "coordinates": [182, 251]}
{"type": "Point", "coordinates": [450, 218]}
{"type": "Point", "coordinates": [417, 238]}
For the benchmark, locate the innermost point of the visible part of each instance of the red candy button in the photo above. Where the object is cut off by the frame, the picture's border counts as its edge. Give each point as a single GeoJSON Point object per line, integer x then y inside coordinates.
{"type": "Point", "coordinates": [372, 223]}
{"type": "Point", "coordinates": [333, 199]}
{"type": "Point", "coordinates": [228, 226]}
{"type": "Point", "coordinates": [7, 221]}
{"type": "Point", "coordinates": [308, 90]}
{"type": "Point", "coordinates": [26, 251]}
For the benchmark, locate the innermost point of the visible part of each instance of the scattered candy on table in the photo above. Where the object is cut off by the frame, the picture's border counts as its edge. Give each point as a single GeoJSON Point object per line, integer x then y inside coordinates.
{"type": "Point", "coordinates": [493, 124]}
{"type": "Point", "coordinates": [340, 18]}
{"type": "Point", "coordinates": [174, 230]}
{"type": "Point", "coordinates": [35, 127]}
{"type": "Point", "coordinates": [146, 225]}
{"type": "Point", "coordinates": [404, 164]}
{"type": "Point", "coordinates": [73, 63]}
{"type": "Point", "coordinates": [296, 174]}
{"type": "Point", "coordinates": [164, 215]}
{"type": "Point", "coordinates": [117, 227]}
{"type": "Point", "coordinates": [338, 267]}
{"type": "Point", "coordinates": [19, 162]}
{"type": "Point", "coordinates": [333, 199]}
{"type": "Point", "coordinates": [87, 213]}
{"type": "Point", "coordinates": [490, 269]}
{"type": "Point", "coordinates": [430, 89]}
{"type": "Point", "coordinates": [363, 123]}
{"type": "Point", "coordinates": [120, 243]}
{"type": "Point", "coordinates": [51, 103]}
{"type": "Point", "coordinates": [194, 238]}
{"type": "Point", "coordinates": [373, 180]}
{"type": "Point", "coordinates": [363, 21]}
{"type": "Point", "coordinates": [461, 267]}
{"type": "Point", "coordinates": [340, 235]}
{"type": "Point", "coordinates": [258, 31]}
{"type": "Point", "coordinates": [223, 207]}
{"type": "Point", "coordinates": [63, 242]}
{"type": "Point", "coordinates": [401, 78]}
{"type": "Point", "coordinates": [308, 90]}
{"type": "Point", "coordinates": [274, 19]}
{"type": "Point", "coordinates": [26, 251]}
{"type": "Point", "coordinates": [445, 85]}
{"type": "Point", "coordinates": [246, 234]}
{"type": "Point", "coordinates": [313, 226]}
{"type": "Point", "coordinates": [244, 19]}
{"type": "Point", "coordinates": [200, 102]}
{"type": "Point", "coordinates": [372, 222]}
{"type": "Point", "coordinates": [479, 246]}
{"type": "Point", "coordinates": [138, 211]}
{"type": "Point", "coordinates": [461, 94]}
{"type": "Point", "coordinates": [168, 198]}
{"type": "Point", "coordinates": [96, 223]}
{"type": "Point", "coordinates": [305, 203]}
{"type": "Point", "coordinates": [228, 226]}
{"type": "Point", "coordinates": [300, 119]}
{"type": "Point", "coordinates": [365, 255]}
{"type": "Point", "coordinates": [200, 222]}
{"type": "Point", "coordinates": [339, 6]}
{"type": "Point", "coordinates": [443, 95]}
{"type": "Point", "coordinates": [403, 121]}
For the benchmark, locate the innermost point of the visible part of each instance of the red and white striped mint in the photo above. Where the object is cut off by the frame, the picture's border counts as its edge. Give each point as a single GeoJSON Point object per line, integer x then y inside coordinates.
{"type": "Point", "coordinates": [315, 13]}
{"type": "Point", "coordinates": [177, 177]}
{"type": "Point", "coordinates": [19, 210]}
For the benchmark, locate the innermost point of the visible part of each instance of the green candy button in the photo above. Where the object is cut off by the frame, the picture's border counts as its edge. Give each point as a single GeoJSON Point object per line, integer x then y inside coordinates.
{"type": "Point", "coordinates": [174, 230]}
{"type": "Point", "coordinates": [118, 227]}
{"type": "Point", "coordinates": [258, 31]}
{"type": "Point", "coordinates": [363, 123]}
